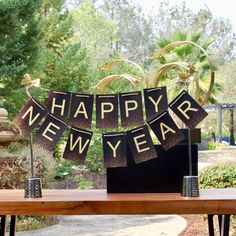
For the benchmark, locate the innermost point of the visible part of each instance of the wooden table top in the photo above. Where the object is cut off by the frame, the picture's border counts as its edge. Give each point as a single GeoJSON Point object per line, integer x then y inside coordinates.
{"type": "Point", "coordinates": [77, 202]}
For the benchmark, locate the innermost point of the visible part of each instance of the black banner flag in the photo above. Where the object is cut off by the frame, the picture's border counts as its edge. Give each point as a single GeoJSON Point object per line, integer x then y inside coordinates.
{"type": "Point", "coordinates": [77, 145]}
{"type": "Point", "coordinates": [59, 104]}
{"type": "Point", "coordinates": [141, 144]}
{"type": "Point", "coordinates": [155, 102]}
{"type": "Point", "coordinates": [107, 111]}
{"type": "Point", "coordinates": [81, 110]}
{"type": "Point", "coordinates": [30, 116]}
{"type": "Point", "coordinates": [50, 132]}
{"type": "Point", "coordinates": [114, 150]}
{"type": "Point", "coordinates": [166, 130]}
{"type": "Point", "coordinates": [187, 109]}
{"type": "Point", "coordinates": [131, 109]}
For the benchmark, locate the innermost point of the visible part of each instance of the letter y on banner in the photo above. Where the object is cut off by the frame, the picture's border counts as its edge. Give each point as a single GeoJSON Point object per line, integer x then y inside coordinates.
{"type": "Point", "coordinates": [187, 109]}
{"type": "Point", "coordinates": [30, 116]}
{"type": "Point", "coordinates": [114, 150]}
{"type": "Point", "coordinates": [77, 145]}
{"type": "Point", "coordinates": [141, 145]}
{"type": "Point", "coordinates": [166, 130]}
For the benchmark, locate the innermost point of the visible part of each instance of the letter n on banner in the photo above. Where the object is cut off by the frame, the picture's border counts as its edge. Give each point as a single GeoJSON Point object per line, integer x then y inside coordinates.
{"type": "Point", "coordinates": [131, 108]}
{"type": "Point", "coordinates": [30, 116]}
{"type": "Point", "coordinates": [59, 104]}
{"type": "Point", "coordinates": [77, 145]}
{"type": "Point", "coordinates": [166, 130]}
{"type": "Point", "coordinates": [141, 144]}
{"type": "Point", "coordinates": [155, 102]}
{"type": "Point", "coordinates": [50, 132]}
{"type": "Point", "coordinates": [107, 111]}
{"type": "Point", "coordinates": [114, 150]}
{"type": "Point", "coordinates": [81, 110]}
{"type": "Point", "coordinates": [187, 109]}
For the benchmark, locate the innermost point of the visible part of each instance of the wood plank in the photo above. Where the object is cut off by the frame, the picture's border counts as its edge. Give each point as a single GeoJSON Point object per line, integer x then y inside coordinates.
{"type": "Point", "coordinates": [70, 202]}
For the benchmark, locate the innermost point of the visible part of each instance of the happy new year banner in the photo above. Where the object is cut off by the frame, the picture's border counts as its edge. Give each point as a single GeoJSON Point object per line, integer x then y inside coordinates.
{"type": "Point", "coordinates": [57, 119]}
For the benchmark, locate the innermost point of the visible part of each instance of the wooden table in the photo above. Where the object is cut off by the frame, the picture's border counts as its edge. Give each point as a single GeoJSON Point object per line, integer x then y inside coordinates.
{"type": "Point", "coordinates": [220, 202]}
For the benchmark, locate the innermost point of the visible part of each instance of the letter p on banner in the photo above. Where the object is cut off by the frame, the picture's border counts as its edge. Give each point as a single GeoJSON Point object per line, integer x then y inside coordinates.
{"type": "Point", "coordinates": [187, 109]}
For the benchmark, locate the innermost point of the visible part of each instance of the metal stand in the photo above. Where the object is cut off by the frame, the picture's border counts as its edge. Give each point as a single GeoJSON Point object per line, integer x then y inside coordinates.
{"type": "Point", "coordinates": [190, 186]}
{"type": "Point", "coordinates": [224, 224]}
{"type": "Point", "coordinates": [33, 186]}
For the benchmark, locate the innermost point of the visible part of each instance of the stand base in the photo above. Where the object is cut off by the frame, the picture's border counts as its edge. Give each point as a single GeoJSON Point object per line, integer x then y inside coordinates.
{"type": "Point", "coordinates": [190, 186]}
{"type": "Point", "coordinates": [33, 188]}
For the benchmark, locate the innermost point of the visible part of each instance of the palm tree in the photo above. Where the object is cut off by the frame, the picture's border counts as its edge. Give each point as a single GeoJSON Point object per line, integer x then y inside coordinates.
{"type": "Point", "coordinates": [186, 53]}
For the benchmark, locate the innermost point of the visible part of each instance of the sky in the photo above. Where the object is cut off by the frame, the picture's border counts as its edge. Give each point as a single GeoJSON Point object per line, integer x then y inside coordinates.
{"type": "Point", "coordinates": [219, 8]}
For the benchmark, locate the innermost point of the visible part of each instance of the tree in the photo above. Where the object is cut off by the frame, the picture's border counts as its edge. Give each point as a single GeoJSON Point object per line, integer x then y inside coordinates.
{"type": "Point", "coordinates": [62, 65]}
{"type": "Point", "coordinates": [171, 18]}
{"type": "Point", "coordinates": [18, 50]}
{"type": "Point", "coordinates": [188, 51]}
{"type": "Point", "coordinates": [135, 34]}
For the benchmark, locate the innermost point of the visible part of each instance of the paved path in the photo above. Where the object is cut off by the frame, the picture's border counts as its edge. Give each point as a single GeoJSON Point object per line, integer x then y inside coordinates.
{"type": "Point", "coordinates": [112, 225]}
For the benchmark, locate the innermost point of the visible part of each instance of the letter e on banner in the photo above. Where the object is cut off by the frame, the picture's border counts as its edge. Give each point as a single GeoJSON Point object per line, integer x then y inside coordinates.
{"type": "Point", "coordinates": [155, 102]}
{"type": "Point", "coordinates": [59, 104]}
{"type": "Point", "coordinates": [77, 145]}
{"type": "Point", "coordinates": [131, 109]}
{"type": "Point", "coordinates": [114, 150]}
{"type": "Point", "coordinates": [30, 116]}
{"type": "Point", "coordinates": [50, 132]}
{"type": "Point", "coordinates": [81, 110]}
{"type": "Point", "coordinates": [166, 130]}
{"type": "Point", "coordinates": [141, 145]}
{"type": "Point", "coordinates": [107, 111]}
{"type": "Point", "coordinates": [187, 109]}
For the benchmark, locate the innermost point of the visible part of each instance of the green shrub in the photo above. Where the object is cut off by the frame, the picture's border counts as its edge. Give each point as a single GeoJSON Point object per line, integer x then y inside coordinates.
{"type": "Point", "coordinates": [218, 176]}
{"type": "Point", "coordinates": [211, 145]}
{"type": "Point", "coordinates": [15, 168]}
{"type": "Point", "coordinates": [83, 183]}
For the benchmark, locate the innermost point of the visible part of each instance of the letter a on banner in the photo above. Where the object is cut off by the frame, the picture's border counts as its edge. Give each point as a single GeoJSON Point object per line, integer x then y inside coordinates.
{"type": "Point", "coordinates": [77, 145]}
{"type": "Point", "coordinates": [114, 150]}
{"type": "Point", "coordinates": [141, 145]}
{"type": "Point", "coordinates": [81, 110]}
{"type": "Point", "coordinates": [187, 109]}
{"type": "Point", "coordinates": [107, 111]}
{"type": "Point", "coordinates": [59, 104]}
{"type": "Point", "coordinates": [30, 116]}
{"type": "Point", "coordinates": [50, 132]}
{"type": "Point", "coordinates": [166, 130]}
{"type": "Point", "coordinates": [155, 102]}
{"type": "Point", "coordinates": [131, 109]}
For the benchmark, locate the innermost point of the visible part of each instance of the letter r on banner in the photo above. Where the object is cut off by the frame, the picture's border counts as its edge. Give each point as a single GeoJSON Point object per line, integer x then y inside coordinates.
{"type": "Point", "coordinates": [187, 109]}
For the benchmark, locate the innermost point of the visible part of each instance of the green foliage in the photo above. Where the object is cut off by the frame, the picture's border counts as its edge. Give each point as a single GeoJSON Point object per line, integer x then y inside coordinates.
{"type": "Point", "coordinates": [18, 50]}
{"type": "Point", "coordinates": [64, 170]}
{"type": "Point", "coordinates": [218, 176]}
{"type": "Point", "coordinates": [15, 167]}
{"type": "Point", "coordinates": [83, 183]}
{"type": "Point", "coordinates": [211, 145]}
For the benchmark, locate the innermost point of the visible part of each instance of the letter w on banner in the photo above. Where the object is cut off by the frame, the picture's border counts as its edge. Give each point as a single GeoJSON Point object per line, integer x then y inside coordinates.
{"type": "Point", "coordinates": [141, 145]}
{"type": "Point", "coordinates": [77, 145]}
{"type": "Point", "coordinates": [114, 149]}
{"type": "Point", "coordinates": [166, 130]}
{"type": "Point", "coordinates": [187, 109]}
{"type": "Point", "coordinates": [30, 116]}
{"type": "Point", "coordinates": [50, 132]}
